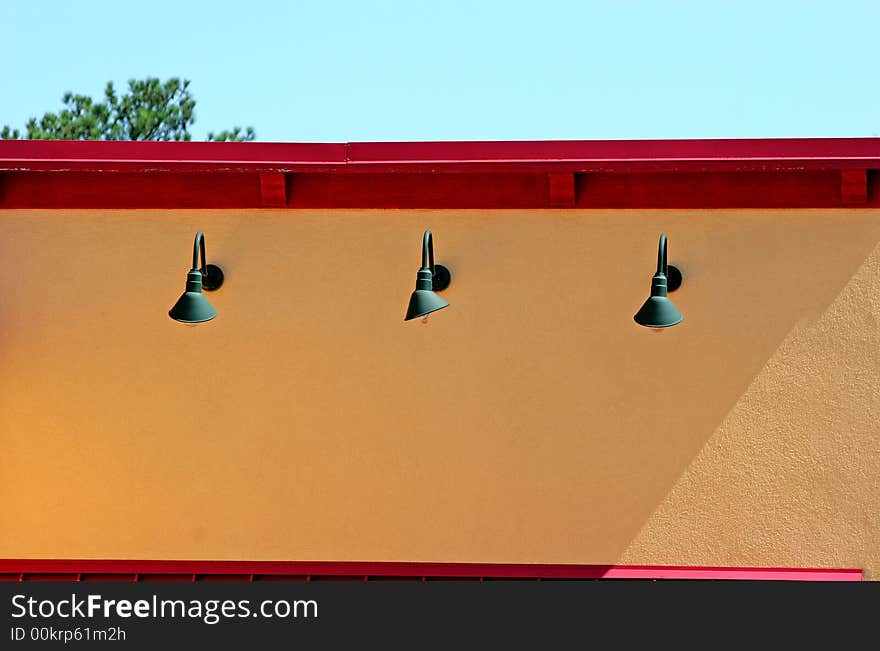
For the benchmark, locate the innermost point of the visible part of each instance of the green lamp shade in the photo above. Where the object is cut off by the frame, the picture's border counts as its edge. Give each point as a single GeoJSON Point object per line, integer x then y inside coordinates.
{"type": "Point", "coordinates": [422, 302]}
{"type": "Point", "coordinates": [658, 312]}
{"type": "Point", "coordinates": [192, 306]}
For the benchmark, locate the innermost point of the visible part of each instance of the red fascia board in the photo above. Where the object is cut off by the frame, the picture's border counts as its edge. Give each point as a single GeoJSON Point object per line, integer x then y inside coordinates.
{"type": "Point", "coordinates": [149, 157]}
{"type": "Point", "coordinates": [483, 191]}
{"type": "Point", "coordinates": [625, 155]}
{"type": "Point", "coordinates": [466, 156]}
{"type": "Point", "coordinates": [609, 174]}
{"type": "Point", "coordinates": [60, 569]}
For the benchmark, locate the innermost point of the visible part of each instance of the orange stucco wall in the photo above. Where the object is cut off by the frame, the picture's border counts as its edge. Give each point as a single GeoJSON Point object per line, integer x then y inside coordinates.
{"type": "Point", "coordinates": [531, 421]}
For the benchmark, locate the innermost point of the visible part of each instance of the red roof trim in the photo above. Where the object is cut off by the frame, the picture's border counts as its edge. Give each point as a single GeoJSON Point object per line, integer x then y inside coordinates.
{"type": "Point", "coordinates": [134, 570]}
{"type": "Point", "coordinates": [619, 151]}
{"type": "Point", "coordinates": [802, 153]}
{"type": "Point", "coordinates": [606, 174]}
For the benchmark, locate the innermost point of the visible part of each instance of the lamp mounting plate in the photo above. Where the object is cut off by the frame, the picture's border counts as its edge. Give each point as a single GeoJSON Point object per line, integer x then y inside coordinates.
{"type": "Point", "coordinates": [212, 278]}
{"type": "Point", "coordinates": [673, 278]}
{"type": "Point", "coordinates": [441, 278]}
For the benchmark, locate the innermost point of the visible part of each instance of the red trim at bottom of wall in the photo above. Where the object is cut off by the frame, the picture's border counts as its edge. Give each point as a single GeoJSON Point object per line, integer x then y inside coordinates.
{"type": "Point", "coordinates": [156, 570]}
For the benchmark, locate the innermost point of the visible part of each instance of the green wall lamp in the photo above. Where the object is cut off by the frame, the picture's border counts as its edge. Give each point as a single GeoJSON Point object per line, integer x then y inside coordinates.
{"type": "Point", "coordinates": [192, 307]}
{"type": "Point", "coordinates": [658, 311]}
{"type": "Point", "coordinates": [431, 278]}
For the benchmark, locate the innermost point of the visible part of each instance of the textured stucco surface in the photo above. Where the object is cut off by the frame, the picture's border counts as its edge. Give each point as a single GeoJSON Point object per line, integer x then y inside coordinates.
{"type": "Point", "coordinates": [792, 474]}
{"type": "Point", "coordinates": [530, 422]}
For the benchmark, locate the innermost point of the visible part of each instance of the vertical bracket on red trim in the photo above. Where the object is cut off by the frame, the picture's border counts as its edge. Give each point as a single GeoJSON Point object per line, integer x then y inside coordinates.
{"type": "Point", "coordinates": [561, 190]}
{"type": "Point", "coordinates": [273, 190]}
{"type": "Point", "coordinates": [853, 186]}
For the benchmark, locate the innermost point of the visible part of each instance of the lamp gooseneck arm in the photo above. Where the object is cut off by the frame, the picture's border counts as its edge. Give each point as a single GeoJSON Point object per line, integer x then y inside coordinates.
{"type": "Point", "coordinates": [199, 245]}
{"type": "Point", "coordinates": [428, 252]}
{"type": "Point", "coordinates": [661, 256]}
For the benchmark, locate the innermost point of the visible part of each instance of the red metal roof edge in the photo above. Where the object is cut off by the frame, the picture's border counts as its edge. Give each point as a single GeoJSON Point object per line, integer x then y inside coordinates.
{"type": "Point", "coordinates": [465, 156]}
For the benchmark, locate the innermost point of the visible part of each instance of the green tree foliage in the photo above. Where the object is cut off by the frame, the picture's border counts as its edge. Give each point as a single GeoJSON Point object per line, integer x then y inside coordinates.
{"type": "Point", "coordinates": [149, 110]}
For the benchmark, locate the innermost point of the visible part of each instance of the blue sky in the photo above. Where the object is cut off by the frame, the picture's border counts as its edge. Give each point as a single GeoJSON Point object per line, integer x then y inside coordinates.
{"type": "Point", "coordinates": [452, 70]}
